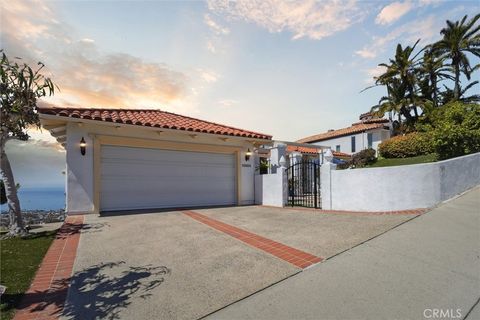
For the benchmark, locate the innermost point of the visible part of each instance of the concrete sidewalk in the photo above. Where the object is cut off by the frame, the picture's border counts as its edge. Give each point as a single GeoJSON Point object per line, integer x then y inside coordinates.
{"type": "Point", "coordinates": [430, 262]}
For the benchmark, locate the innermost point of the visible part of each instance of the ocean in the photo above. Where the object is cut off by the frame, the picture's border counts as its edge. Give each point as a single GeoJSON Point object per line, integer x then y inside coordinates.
{"type": "Point", "coordinates": [40, 199]}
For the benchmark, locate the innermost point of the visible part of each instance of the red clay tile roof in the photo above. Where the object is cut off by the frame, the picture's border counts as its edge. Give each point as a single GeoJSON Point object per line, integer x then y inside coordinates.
{"type": "Point", "coordinates": [307, 150]}
{"type": "Point", "coordinates": [356, 128]}
{"type": "Point", "coordinates": [303, 149]}
{"type": "Point", "coordinates": [151, 118]}
{"type": "Point", "coordinates": [365, 115]}
{"type": "Point", "coordinates": [338, 154]}
{"type": "Point", "coordinates": [375, 120]}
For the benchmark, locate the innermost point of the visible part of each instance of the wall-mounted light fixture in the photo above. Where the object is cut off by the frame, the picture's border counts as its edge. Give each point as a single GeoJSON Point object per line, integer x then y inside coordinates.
{"type": "Point", "coordinates": [248, 154]}
{"type": "Point", "coordinates": [83, 146]}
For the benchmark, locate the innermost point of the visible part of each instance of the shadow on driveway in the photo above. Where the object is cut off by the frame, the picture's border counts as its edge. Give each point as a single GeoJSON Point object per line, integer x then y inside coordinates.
{"type": "Point", "coordinates": [104, 290]}
{"type": "Point", "coordinates": [99, 292]}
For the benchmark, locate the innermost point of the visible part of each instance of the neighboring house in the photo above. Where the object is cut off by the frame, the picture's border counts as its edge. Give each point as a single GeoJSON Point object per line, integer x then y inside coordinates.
{"type": "Point", "coordinates": [121, 159]}
{"type": "Point", "coordinates": [368, 133]}
{"type": "Point", "coordinates": [311, 153]}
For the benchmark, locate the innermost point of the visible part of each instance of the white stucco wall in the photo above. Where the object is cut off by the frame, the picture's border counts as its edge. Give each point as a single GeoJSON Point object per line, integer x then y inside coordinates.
{"type": "Point", "coordinates": [400, 187]}
{"type": "Point", "coordinates": [271, 189]}
{"type": "Point", "coordinates": [80, 178]}
{"type": "Point", "coordinates": [361, 141]}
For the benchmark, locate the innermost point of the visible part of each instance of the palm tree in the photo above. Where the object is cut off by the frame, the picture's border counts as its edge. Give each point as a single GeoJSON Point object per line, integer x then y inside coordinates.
{"type": "Point", "coordinates": [396, 102]}
{"type": "Point", "coordinates": [430, 72]}
{"type": "Point", "coordinates": [448, 94]}
{"type": "Point", "coordinates": [460, 38]}
{"type": "Point", "coordinates": [402, 67]}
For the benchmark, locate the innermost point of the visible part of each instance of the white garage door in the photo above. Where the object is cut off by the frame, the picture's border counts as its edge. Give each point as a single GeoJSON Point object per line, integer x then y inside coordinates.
{"type": "Point", "coordinates": [139, 178]}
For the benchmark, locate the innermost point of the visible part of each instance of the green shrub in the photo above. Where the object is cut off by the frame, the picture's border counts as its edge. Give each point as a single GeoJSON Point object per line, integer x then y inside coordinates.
{"type": "Point", "coordinates": [359, 160]}
{"type": "Point", "coordinates": [364, 158]}
{"type": "Point", "coordinates": [410, 145]}
{"type": "Point", "coordinates": [456, 130]}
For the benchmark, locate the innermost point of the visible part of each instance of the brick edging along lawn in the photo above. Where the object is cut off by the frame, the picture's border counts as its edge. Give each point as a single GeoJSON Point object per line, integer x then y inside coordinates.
{"type": "Point", "coordinates": [46, 296]}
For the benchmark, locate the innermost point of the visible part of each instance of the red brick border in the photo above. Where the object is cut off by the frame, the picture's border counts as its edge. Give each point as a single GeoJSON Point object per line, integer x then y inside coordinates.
{"type": "Point", "coordinates": [46, 296]}
{"type": "Point", "coordinates": [294, 256]}
{"type": "Point", "coordinates": [367, 213]}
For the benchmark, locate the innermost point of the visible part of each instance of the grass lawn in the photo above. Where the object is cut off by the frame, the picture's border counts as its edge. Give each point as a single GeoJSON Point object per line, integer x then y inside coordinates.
{"type": "Point", "coordinates": [20, 258]}
{"type": "Point", "coordinates": [403, 161]}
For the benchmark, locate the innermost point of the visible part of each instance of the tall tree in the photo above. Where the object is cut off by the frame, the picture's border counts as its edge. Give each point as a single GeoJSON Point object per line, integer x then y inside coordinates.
{"type": "Point", "coordinates": [448, 95]}
{"type": "Point", "coordinates": [396, 102]}
{"type": "Point", "coordinates": [21, 86]}
{"type": "Point", "coordinates": [431, 71]}
{"type": "Point", "coordinates": [403, 67]}
{"type": "Point", "coordinates": [459, 38]}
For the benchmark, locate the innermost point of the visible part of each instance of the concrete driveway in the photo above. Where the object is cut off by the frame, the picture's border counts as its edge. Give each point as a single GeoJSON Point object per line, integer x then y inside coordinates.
{"type": "Point", "coordinates": [316, 232]}
{"type": "Point", "coordinates": [168, 265]}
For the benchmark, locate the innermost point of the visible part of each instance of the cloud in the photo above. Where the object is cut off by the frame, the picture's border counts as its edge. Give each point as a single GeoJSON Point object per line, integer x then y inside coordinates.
{"type": "Point", "coordinates": [311, 19]}
{"type": "Point", "coordinates": [211, 47]}
{"type": "Point", "coordinates": [86, 75]}
{"type": "Point", "coordinates": [373, 72]}
{"type": "Point", "coordinates": [426, 28]}
{"type": "Point", "coordinates": [366, 52]}
{"type": "Point", "coordinates": [208, 75]}
{"type": "Point", "coordinates": [227, 103]}
{"type": "Point", "coordinates": [35, 165]}
{"type": "Point", "coordinates": [393, 12]}
{"type": "Point", "coordinates": [87, 40]}
{"type": "Point", "coordinates": [214, 26]}
{"type": "Point", "coordinates": [431, 2]}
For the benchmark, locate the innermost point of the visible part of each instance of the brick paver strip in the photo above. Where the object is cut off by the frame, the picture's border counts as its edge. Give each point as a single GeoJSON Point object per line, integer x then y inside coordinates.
{"type": "Point", "coordinates": [46, 296]}
{"type": "Point", "coordinates": [294, 256]}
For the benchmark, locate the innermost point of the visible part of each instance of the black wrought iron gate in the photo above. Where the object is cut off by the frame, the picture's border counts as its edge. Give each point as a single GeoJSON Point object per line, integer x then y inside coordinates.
{"type": "Point", "coordinates": [304, 184]}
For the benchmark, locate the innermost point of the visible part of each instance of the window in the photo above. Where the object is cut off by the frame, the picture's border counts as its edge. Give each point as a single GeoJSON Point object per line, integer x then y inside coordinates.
{"type": "Point", "coordinates": [370, 140]}
{"type": "Point", "coordinates": [337, 148]}
{"type": "Point", "coordinates": [353, 144]}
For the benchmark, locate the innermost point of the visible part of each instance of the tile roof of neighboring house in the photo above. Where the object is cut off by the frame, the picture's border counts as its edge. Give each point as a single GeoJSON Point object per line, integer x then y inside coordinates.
{"type": "Point", "coordinates": [307, 150]}
{"type": "Point", "coordinates": [356, 128]}
{"type": "Point", "coordinates": [338, 154]}
{"type": "Point", "coordinates": [375, 120]}
{"type": "Point", "coordinates": [302, 149]}
{"type": "Point", "coordinates": [365, 115]}
{"type": "Point", "coordinates": [151, 118]}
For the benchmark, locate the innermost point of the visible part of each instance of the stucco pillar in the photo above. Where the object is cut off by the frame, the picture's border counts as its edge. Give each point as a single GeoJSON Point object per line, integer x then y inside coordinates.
{"type": "Point", "coordinates": [284, 179]}
{"type": "Point", "coordinates": [278, 151]}
{"type": "Point", "coordinates": [320, 157]}
{"type": "Point", "coordinates": [326, 180]}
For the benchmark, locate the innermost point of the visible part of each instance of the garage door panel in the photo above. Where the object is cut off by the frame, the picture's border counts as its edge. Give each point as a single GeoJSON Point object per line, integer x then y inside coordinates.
{"type": "Point", "coordinates": [133, 178]}
{"type": "Point", "coordinates": [110, 170]}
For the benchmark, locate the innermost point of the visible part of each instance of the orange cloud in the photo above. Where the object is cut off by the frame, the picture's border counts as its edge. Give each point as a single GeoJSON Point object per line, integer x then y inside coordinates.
{"type": "Point", "coordinates": [85, 75]}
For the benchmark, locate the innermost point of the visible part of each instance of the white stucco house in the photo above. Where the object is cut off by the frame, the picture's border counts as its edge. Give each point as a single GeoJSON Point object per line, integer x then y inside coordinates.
{"type": "Point", "coordinates": [120, 159]}
{"type": "Point", "coordinates": [369, 132]}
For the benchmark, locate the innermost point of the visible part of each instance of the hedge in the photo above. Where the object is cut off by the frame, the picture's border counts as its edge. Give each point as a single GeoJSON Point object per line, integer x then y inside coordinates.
{"type": "Point", "coordinates": [410, 145]}
{"type": "Point", "coordinates": [456, 130]}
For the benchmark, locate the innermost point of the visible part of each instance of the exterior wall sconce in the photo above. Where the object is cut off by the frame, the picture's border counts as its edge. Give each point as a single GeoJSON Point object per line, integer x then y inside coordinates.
{"type": "Point", "coordinates": [83, 146]}
{"type": "Point", "coordinates": [248, 154]}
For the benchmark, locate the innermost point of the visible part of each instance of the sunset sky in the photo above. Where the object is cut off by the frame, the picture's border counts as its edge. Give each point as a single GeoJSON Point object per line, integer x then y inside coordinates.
{"type": "Point", "coordinates": [289, 69]}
